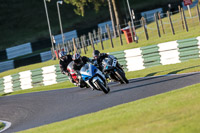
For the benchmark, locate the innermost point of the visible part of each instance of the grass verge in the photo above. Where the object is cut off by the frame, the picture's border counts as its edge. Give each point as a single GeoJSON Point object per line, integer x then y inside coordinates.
{"type": "Point", "coordinates": [172, 112]}
{"type": "Point", "coordinates": [2, 125]}
{"type": "Point", "coordinates": [184, 67]}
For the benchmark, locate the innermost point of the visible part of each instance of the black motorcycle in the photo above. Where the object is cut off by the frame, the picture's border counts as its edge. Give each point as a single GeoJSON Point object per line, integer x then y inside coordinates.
{"type": "Point", "coordinates": [113, 70]}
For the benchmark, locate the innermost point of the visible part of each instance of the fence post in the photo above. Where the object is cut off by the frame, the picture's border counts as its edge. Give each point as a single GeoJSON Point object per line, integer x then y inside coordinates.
{"type": "Point", "coordinates": [156, 19]}
{"type": "Point", "coordinates": [78, 45]}
{"type": "Point", "coordinates": [66, 48]}
{"type": "Point", "coordinates": [161, 23]}
{"type": "Point", "coordinates": [91, 41]}
{"type": "Point", "coordinates": [71, 43]}
{"type": "Point", "coordinates": [59, 48]}
{"type": "Point", "coordinates": [131, 30]}
{"type": "Point", "coordinates": [63, 47]}
{"type": "Point", "coordinates": [53, 53]}
{"type": "Point", "coordinates": [74, 44]}
{"type": "Point", "coordinates": [120, 36]}
{"type": "Point", "coordinates": [145, 29]}
{"type": "Point", "coordinates": [84, 40]}
{"type": "Point", "coordinates": [109, 35]}
{"type": "Point", "coordinates": [95, 36]}
{"type": "Point", "coordinates": [69, 48]}
{"type": "Point", "coordinates": [104, 35]}
{"type": "Point", "coordinates": [180, 11]}
{"type": "Point", "coordinates": [100, 38]}
{"type": "Point", "coordinates": [185, 21]}
{"type": "Point", "coordinates": [82, 44]}
{"type": "Point", "coordinates": [170, 20]}
{"type": "Point", "coordinates": [198, 12]}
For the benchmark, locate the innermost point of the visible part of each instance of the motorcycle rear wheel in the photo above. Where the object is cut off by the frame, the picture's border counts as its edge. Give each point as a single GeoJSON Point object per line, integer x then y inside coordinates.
{"type": "Point", "coordinates": [122, 77]}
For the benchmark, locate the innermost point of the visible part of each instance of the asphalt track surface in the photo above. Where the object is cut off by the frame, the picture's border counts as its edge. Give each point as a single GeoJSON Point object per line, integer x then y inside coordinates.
{"type": "Point", "coordinates": [30, 110]}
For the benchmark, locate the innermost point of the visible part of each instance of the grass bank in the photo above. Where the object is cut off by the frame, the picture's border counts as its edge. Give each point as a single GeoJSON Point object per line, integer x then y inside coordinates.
{"type": "Point", "coordinates": [172, 112]}
{"type": "Point", "coordinates": [2, 125]}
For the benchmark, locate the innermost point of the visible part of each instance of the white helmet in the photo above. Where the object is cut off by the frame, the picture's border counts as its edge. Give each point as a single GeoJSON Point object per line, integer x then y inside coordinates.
{"type": "Point", "coordinates": [62, 55]}
{"type": "Point", "coordinates": [76, 58]}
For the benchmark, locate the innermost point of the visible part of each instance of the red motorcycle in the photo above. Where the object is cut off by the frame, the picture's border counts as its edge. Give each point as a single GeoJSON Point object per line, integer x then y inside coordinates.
{"type": "Point", "coordinates": [72, 72]}
{"type": "Point", "coordinates": [77, 79]}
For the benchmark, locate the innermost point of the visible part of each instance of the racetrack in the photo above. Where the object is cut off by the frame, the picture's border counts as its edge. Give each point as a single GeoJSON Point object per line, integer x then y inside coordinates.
{"type": "Point", "coordinates": [35, 109]}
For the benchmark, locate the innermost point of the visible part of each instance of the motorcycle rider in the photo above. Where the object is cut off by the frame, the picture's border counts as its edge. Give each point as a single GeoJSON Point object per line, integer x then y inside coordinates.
{"type": "Point", "coordinates": [64, 62]}
{"type": "Point", "coordinates": [97, 56]}
{"type": "Point", "coordinates": [78, 63]}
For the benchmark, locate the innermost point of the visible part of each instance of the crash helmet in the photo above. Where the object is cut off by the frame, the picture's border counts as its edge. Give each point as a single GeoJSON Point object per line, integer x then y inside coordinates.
{"type": "Point", "coordinates": [62, 55]}
{"type": "Point", "coordinates": [96, 54]}
{"type": "Point", "coordinates": [76, 58]}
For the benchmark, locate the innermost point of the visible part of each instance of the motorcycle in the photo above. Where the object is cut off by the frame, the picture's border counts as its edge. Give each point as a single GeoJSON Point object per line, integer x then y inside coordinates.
{"type": "Point", "coordinates": [94, 78]}
{"type": "Point", "coordinates": [113, 70]}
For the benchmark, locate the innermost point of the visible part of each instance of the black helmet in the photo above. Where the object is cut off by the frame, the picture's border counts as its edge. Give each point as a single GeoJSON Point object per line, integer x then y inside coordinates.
{"type": "Point", "coordinates": [96, 54]}
{"type": "Point", "coordinates": [62, 55]}
{"type": "Point", "coordinates": [76, 58]}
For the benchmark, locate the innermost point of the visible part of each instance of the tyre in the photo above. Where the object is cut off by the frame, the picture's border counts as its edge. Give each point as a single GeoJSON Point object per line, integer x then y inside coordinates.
{"type": "Point", "coordinates": [122, 77]}
{"type": "Point", "coordinates": [102, 87]}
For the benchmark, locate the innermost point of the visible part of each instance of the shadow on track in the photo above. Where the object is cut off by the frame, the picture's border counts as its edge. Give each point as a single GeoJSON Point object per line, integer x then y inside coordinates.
{"type": "Point", "coordinates": [132, 81]}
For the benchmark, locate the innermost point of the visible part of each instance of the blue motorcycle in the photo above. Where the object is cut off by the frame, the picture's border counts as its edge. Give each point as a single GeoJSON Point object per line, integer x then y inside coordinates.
{"type": "Point", "coordinates": [94, 78]}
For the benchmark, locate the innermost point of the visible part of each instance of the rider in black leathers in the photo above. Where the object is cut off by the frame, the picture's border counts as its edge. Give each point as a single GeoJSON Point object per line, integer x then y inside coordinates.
{"type": "Point", "coordinates": [99, 58]}
{"type": "Point", "coordinates": [64, 62]}
{"type": "Point", "coordinates": [78, 63]}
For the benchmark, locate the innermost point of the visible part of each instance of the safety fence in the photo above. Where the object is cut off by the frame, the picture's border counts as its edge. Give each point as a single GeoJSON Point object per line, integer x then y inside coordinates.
{"type": "Point", "coordinates": [158, 25]}
{"type": "Point", "coordinates": [35, 58]}
{"type": "Point", "coordinates": [132, 60]}
{"type": "Point", "coordinates": [29, 48]}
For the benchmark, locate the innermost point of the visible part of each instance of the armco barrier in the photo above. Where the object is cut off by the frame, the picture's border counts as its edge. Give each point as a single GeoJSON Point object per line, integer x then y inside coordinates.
{"type": "Point", "coordinates": [169, 53]}
{"type": "Point", "coordinates": [32, 78]}
{"type": "Point", "coordinates": [120, 55]}
{"type": "Point", "coordinates": [132, 60]}
{"type": "Point", "coordinates": [6, 65]}
{"type": "Point", "coordinates": [19, 50]}
{"type": "Point", "coordinates": [11, 64]}
{"type": "Point", "coordinates": [150, 55]}
{"type": "Point", "coordinates": [30, 47]}
{"type": "Point", "coordinates": [133, 56]}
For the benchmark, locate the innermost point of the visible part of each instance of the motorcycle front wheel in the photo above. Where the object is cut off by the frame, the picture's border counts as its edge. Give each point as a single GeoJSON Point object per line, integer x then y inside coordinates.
{"type": "Point", "coordinates": [102, 87]}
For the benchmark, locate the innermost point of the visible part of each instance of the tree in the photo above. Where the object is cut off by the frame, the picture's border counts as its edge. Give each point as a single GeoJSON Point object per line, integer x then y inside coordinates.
{"type": "Point", "coordinates": [80, 5]}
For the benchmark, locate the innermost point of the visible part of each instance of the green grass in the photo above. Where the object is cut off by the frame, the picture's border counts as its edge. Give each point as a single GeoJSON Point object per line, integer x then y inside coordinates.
{"type": "Point", "coordinates": [184, 67]}
{"type": "Point", "coordinates": [172, 112]}
{"type": "Point", "coordinates": [2, 125]}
